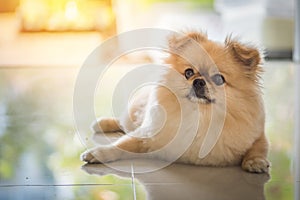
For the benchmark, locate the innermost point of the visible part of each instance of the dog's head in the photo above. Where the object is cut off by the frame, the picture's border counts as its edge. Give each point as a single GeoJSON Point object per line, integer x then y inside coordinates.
{"type": "Point", "coordinates": [210, 69]}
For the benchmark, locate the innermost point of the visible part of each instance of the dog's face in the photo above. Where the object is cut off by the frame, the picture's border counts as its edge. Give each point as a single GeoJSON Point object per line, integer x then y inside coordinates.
{"type": "Point", "coordinates": [213, 71]}
{"type": "Point", "coordinates": [203, 83]}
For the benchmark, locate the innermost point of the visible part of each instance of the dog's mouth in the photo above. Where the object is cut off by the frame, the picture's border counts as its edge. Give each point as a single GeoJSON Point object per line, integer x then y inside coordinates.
{"type": "Point", "coordinates": [205, 99]}
{"type": "Point", "coordinates": [198, 97]}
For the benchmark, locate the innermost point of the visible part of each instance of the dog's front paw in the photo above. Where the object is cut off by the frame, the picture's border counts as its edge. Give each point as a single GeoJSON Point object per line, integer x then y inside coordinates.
{"type": "Point", "coordinates": [105, 125]}
{"type": "Point", "coordinates": [256, 165]}
{"type": "Point", "coordinates": [100, 155]}
{"type": "Point", "coordinates": [88, 157]}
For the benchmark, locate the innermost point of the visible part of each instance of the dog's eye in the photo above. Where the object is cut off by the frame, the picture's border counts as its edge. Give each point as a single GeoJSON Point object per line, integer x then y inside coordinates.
{"type": "Point", "coordinates": [218, 79]}
{"type": "Point", "coordinates": [189, 73]}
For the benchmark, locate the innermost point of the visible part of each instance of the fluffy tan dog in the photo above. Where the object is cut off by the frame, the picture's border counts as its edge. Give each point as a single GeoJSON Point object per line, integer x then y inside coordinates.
{"type": "Point", "coordinates": [214, 88]}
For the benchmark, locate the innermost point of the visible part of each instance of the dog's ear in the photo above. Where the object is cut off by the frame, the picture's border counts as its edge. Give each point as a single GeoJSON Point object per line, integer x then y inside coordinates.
{"type": "Point", "coordinates": [198, 36]}
{"type": "Point", "coordinates": [244, 54]}
{"type": "Point", "coordinates": [179, 41]}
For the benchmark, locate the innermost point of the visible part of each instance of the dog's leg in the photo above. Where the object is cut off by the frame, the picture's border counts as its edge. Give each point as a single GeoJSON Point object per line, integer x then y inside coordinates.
{"type": "Point", "coordinates": [106, 125]}
{"type": "Point", "coordinates": [109, 153]}
{"type": "Point", "coordinates": [255, 159]}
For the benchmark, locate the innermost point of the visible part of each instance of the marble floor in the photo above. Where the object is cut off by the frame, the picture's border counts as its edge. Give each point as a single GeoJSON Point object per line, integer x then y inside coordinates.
{"type": "Point", "coordinates": [40, 147]}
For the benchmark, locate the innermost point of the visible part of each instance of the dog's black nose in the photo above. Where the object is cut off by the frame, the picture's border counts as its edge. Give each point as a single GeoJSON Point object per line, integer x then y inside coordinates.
{"type": "Point", "coordinates": [198, 83]}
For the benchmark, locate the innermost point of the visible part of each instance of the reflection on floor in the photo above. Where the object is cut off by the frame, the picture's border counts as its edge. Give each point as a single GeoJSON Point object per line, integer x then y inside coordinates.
{"type": "Point", "coordinates": [179, 181]}
{"type": "Point", "coordinates": [40, 148]}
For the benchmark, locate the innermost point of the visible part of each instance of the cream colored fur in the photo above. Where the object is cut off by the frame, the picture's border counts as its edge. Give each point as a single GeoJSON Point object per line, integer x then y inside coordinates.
{"type": "Point", "coordinates": [155, 117]}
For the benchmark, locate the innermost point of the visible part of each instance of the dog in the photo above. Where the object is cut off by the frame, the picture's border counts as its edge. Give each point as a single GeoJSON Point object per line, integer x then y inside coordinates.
{"type": "Point", "coordinates": [215, 88]}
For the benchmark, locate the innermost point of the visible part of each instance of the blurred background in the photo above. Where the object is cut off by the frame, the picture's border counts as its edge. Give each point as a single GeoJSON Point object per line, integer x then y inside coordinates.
{"type": "Point", "coordinates": [33, 32]}
{"type": "Point", "coordinates": [43, 43]}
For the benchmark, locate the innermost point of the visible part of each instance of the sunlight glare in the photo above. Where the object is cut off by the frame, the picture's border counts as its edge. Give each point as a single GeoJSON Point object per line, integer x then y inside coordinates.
{"type": "Point", "coordinates": [71, 11]}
